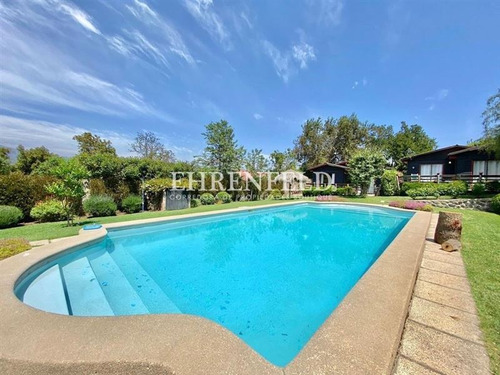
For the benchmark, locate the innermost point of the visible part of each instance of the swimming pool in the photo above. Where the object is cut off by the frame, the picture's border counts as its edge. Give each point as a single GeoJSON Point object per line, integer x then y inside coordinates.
{"type": "Point", "coordinates": [271, 276]}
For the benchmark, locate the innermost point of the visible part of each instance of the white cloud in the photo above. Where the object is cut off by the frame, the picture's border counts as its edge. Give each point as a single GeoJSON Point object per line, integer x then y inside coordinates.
{"type": "Point", "coordinates": [34, 71]}
{"type": "Point", "coordinates": [355, 84]}
{"type": "Point", "coordinates": [203, 11]}
{"type": "Point", "coordinates": [365, 81]}
{"type": "Point", "coordinates": [78, 15]}
{"type": "Point", "coordinates": [280, 60]}
{"type": "Point", "coordinates": [438, 96]}
{"type": "Point", "coordinates": [303, 53]}
{"type": "Point", "coordinates": [258, 116]}
{"type": "Point", "coordinates": [162, 29]}
{"type": "Point", "coordinates": [327, 12]}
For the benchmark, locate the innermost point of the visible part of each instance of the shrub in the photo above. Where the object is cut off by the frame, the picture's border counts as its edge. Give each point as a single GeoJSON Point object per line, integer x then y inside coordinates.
{"type": "Point", "coordinates": [9, 215]}
{"type": "Point", "coordinates": [307, 192]}
{"type": "Point", "coordinates": [275, 194]}
{"type": "Point", "coordinates": [493, 187]}
{"type": "Point", "coordinates": [132, 204]}
{"type": "Point", "coordinates": [195, 203]}
{"type": "Point", "coordinates": [455, 188]}
{"type": "Point", "coordinates": [223, 197]}
{"type": "Point", "coordinates": [478, 189]}
{"type": "Point", "coordinates": [347, 191]}
{"type": "Point", "coordinates": [23, 191]}
{"type": "Point", "coordinates": [99, 205]}
{"type": "Point", "coordinates": [495, 204]}
{"type": "Point", "coordinates": [50, 210]}
{"type": "Point", "coordinates": [389, 183]}
{"type": "Point", "coordinates": [13, 246]}
{"type": "Point", "coordinates": [207, 199]}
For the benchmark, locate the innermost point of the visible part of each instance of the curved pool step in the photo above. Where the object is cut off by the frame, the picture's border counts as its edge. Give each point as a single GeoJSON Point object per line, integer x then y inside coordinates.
{"type": "Point", "coordinates": [84, 292]}
{"type": "Point", "coordinates": [46, 292]}
{"type": "Point", "coordinates": [120, 294]}
{"type": "Point", "coordinates": [150, 292]}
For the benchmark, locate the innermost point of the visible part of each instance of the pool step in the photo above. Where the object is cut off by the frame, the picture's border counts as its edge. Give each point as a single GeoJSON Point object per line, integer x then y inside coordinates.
{"type": "Point", "coordinates": [149, 291]}
{"type": "Point", "coordinates": [46, 292]}
{"type": "Point", "coordinates": [84, 292]}
{"type": "Point", "coordinates": [120, 294]}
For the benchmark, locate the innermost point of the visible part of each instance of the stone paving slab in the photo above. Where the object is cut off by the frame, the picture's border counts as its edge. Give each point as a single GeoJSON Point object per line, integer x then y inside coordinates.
{"type": "Point", "coordinates": [444, 279]}
{"type": "Point", "coordinates": [442, 352]}
{"type": "Point", "coordinates": [406, 366]}
{"type": "Point", "coordinates": [447, 319]}
{"type": "Point", "coordinates": [445, 296]}
{"type": "Point", "coordinates": [443, 257]}
{"type": "Point", "coordinates": [452, 269]}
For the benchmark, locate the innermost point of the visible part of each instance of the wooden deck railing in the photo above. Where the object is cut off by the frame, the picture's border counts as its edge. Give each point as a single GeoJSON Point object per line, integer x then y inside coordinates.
{"type": "Point", "coordinates": [468, 178]}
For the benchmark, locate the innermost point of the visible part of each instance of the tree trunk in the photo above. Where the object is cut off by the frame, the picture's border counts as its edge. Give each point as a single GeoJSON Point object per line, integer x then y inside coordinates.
{"type": "Point", "coordinates": [451, 245]}
{"type": "Point", "coordinates": [449, 226]}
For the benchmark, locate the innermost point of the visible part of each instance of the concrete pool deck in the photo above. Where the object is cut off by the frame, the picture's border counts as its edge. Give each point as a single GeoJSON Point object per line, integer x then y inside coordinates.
{"type": "Point", "coordinates": [362, 335]}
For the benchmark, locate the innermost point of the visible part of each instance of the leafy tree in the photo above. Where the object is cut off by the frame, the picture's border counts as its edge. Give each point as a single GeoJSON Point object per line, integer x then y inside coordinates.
{"type": "Point", "coordinates": [69, 187]}
{"type": "Point", "coordinates": [89, 143]}
{"type": "Point", "coordinates": [491, 122]}
{"type": "Point", "coordinates": [46, 168]}
{"type": "Point", "coordinates": [365, 166]}
{"type": "Point", "coordinates": [379, 138]}
{"type": "Point", "coordinates": [344, 137]}
{"type": "Point", "coordinates": [282, 161]}
{"type": "Point", "coordinates": [255, 161]}
{"type": "Point", "coordinates": [148, 145]}
{"type": "Point", "coordinates": [4, 160]}
{"type": "Point", "coordinates": [310, 145]}
{"type": "Point", "coordinates": [29, 159]}
{"type": "Point", "coordinates": [408, 141]}
{"type": "Point", "coordinates": [221, 152]}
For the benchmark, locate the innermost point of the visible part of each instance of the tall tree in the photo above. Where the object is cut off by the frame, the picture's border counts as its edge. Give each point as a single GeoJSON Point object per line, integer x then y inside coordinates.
{"type": "Point", "coordinates": [282, 161]}
{"type": "Point", "coordinates": [89, 143]}
{"type": "Point", "coordinates": [310, 145]}
{"type": "Point", "coordinates": [148, 145]}
{"type": "Point", "coordinates": [408, 141]}
{"type": "Point", "coordinates": [379, 138]}
{"type": "Point", "coordinates": [255, 161]}
{"type": "Point", "coordinates": [491, 123]}
{"type": "Point", "coordinates": [29, 159]}
{"type": "Point", "coordinates": [221, 152]}
{"type": "Point", "coordinates": [4, 160]}
{"type": "Point", "coordinates": [344, 137]}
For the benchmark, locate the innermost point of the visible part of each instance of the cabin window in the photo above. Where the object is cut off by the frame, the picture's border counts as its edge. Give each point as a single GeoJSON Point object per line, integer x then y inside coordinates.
{"type": "Point", "coordinates": [486, 168]}
{"type": "Point", "coordinates": [431, 169]}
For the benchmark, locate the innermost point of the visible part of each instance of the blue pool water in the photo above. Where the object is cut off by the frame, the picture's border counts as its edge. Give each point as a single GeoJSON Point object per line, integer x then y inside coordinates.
{"type": "Point", "coordinates": [271, 276]}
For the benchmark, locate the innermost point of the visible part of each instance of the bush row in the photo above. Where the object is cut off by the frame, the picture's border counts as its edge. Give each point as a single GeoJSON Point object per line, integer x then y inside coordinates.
{"type": "Point", "coordinates": [207, 199]}
{"type": "Point", "coordinates": [430, 189]}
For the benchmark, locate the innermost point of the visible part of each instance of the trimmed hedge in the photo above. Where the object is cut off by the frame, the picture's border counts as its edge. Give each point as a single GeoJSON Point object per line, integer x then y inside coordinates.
{"type": "Point", "coordinates": [9, 216]}
{"type": "Point", "coordinates": [223, 197]}
{"type": "Point", "coordinates": [275, 194]}
{"type": "Point", "coordinates": [99, 205]}
{"type": "Point", "coordinates": [207, 199]}
{"type": "Point", "coordinates": [195, 203]}
{"type": "Point", "coordinates": [493, 187]}
{"type": "Point", "coordinates": [132, 204]}
{"type": "Point", "coordinates": [495, 204]}
{"type": "Point", "coordinates": [48, 211]}
{"type": "Point", "coordinates": [431, 189]}
{"type": "Point", "coordinates": [478, 189]}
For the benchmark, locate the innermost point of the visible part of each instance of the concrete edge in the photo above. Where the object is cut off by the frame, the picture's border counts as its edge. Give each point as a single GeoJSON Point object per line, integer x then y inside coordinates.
{"type": "Point", "coordinates": [112, 344]}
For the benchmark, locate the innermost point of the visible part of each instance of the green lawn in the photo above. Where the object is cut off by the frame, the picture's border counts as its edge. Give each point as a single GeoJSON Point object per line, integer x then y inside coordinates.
{"type": "Point", "coordinates": [481, 253]}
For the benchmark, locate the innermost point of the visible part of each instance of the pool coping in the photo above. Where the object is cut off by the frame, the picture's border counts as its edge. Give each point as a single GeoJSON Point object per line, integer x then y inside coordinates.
{"type": "Point", "coordinates": [361, 335]}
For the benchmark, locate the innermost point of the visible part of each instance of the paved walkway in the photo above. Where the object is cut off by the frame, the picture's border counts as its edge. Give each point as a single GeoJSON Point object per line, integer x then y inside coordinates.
{"type": "Point", "coordinates": [442, 334]}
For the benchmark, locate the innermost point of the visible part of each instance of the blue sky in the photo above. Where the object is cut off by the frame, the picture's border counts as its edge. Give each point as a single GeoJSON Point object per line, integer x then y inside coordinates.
{"type": "Point", "coordinates": [118, 67]}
